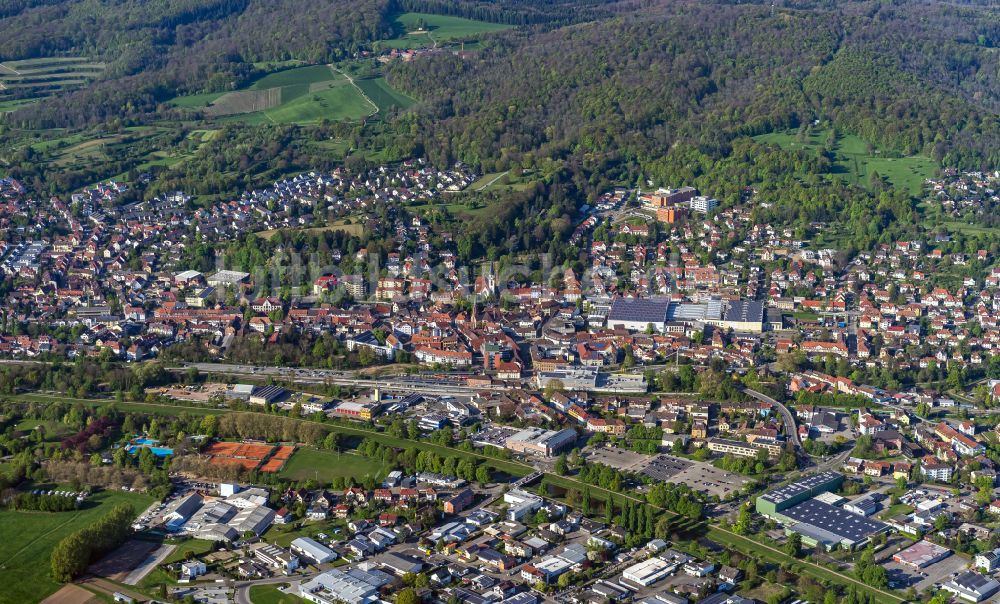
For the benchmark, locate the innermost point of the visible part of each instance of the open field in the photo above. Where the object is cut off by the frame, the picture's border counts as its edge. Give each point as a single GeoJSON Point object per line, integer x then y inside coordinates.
{"type": "Point", "coordinates": [854, 161]}
{"type": "Point", "coordinates": [30, 536]}
{"type": "Point", "coordinates": [296, 95]}
{"type": "Point", "coordinates": [352, 229]}
{"type": "Point", "coordinates": [46, 76]}
{"type": "Point", "coordinates": [383, 95]}
{"type": "Point", "coordinates": [324, 466]}
{"type": "Point", "coordinates": [72, 594]}
{"type": "Point", "coordinates": [438, 29]}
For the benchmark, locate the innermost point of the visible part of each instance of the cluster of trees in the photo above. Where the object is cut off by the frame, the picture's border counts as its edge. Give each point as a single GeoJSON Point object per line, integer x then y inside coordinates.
{"type": "Point", "coordinates": [865, 569]}
{"type": "Point", "coordinates": [109, 476]}
{"type": "Point", "coordinates": [270, 427]}
{"type": "Point", "coordinates": [42, 502]}
{"type": "Point", "coordinates": [678, 498]}
{"type": "Point", "coordinates": [71, 556]}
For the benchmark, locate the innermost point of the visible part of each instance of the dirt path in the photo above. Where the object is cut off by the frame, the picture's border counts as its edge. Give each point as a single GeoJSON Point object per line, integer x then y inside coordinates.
{"type": "Point", "coordinates": [496, 178]}
{"type": "Point", "coordinates": [356, 87]}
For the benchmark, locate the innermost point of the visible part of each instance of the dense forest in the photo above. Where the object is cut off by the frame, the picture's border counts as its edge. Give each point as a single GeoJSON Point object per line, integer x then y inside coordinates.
{"type": "Point", "coordinates": [625, 90]}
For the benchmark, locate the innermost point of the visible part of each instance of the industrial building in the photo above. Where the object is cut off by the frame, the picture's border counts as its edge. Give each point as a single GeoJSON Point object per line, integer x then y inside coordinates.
{"type": "Point", "coordinates": [228, 278]}
{"type": "Point", "coordinates": [823, 524]}
{"type": "Point", "coordinates": [782, 498]}
{"type": "Point", "coordinates": [803, 508]}
{"type": "Point", "coordinates": [649, 571]}
{"type": "Point", "coordinates": [638, 314]}
{"type": "Point", "coordinates": [355, 586]}
{"type": "Point", "coordinates": [312, 550]}
{"type": "Point", "coordinates": [972, 586]}
{"type": "Point", "coordinates": [521, 503]}
{"type": "Point", "coordinates": [921, 554]}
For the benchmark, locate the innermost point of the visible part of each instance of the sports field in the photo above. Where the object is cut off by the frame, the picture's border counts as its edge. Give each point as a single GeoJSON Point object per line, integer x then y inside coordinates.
{"type": "Point", "coordinates": [28, 539]}
{"type": "Point", "coordinates": [855, 161]}
{"type": "Point", "coordinates": [437, 30]}
{"type": "Point", "coordinates": [324, 466]}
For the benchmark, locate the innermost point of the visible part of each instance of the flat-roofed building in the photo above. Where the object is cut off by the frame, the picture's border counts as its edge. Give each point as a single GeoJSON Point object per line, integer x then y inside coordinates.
{"type": "Point", "coordinates": [921, 554]}
{"type": "Point", "coordinates": [312, 550]}
{"type": "Point", "coordinates": [798, 491]}
{"type": "Point", "coordinates": [338, 587]}
{"type": "Point", "coordinates": [537, 441]}
{"type": "Point", "coordinates": [228, 278]}
{"type": "Point", "coordinates": [649, 571]}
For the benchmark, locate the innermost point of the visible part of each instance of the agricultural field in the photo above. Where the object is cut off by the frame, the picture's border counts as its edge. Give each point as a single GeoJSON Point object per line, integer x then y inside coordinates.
{"type": "Point", "coordinates": [855, 161]}
{"type": "Point", "coordinates": [296, 95]}
{"type": "Point", "coordinates": [324, 466]}
{"type": "Point", "coordinates": [437, 30]}
{"type": "Point", "coordinates": [383, 95]}
{"type": "Point", "coordinates": [30, 536]}
{"type": "Point", "coordinates": [46, 76]}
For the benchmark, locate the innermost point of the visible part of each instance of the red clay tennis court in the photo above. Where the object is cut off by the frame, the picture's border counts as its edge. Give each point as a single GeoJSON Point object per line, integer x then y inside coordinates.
{"type": "Point", "coordinates": [222, 448]}
{"type": "Point", "coordinates": [284, 452]}
{"type": "Point", "coordinates": [273, 465]}
{"type": "Point", "coordinates": [249, 464]}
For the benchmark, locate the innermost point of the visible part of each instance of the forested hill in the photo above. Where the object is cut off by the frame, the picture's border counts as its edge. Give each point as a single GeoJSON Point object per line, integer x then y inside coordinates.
{"type": "Point", "coordinates": [643, 86]}
{"type": "Point", "coordinates": [157, 49]}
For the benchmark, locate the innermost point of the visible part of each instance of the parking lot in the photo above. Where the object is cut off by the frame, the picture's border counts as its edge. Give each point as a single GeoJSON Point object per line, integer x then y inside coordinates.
{"type": "Point", "coordinates": [618, 458]}
{"type": "Point", "coordinates": [699, 475]}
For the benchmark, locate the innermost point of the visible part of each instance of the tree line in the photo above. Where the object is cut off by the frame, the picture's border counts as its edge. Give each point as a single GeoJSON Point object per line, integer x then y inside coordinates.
{"type": "Point", "coordinates": [71, 556]}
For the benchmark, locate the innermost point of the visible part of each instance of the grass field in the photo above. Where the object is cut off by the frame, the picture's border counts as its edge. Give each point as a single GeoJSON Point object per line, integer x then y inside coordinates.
{"type": "Point", "coordinates": [383, 95]}
{"type": "Point", "coordinates": [46, 76]}
{"type": "Point", "coordinates": [324, 466]}
{"type": "Point", "coordinates": [438, 30]}
{"type": "Point", "coordinates": [269, 594]}
{"type": "Point", "coordinates": [855, 163]}
{"type": "Point", "coordinates": [28, 539]}
{"type": "Point", "coordinates": [158, 576]}
{"type": "Point", "coordinates": [296, 95]}
{"type": "Point", "coordinates": [353, 229]}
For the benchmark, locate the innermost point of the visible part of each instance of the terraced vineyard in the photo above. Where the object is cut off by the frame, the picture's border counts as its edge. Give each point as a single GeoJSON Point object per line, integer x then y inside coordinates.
{"type": "Point", "coordinates": [46, 76]}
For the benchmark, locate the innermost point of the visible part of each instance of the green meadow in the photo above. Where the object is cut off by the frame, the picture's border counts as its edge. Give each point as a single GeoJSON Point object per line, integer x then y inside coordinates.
{"type": "Point", "coordinates": [855, 161]}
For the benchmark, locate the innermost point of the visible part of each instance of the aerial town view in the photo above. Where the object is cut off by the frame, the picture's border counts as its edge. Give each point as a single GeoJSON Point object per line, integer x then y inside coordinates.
{"type": "Point", "coordinates": [500, 302]}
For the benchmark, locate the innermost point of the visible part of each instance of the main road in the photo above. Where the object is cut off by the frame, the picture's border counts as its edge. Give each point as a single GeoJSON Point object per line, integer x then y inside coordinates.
{"type": "Point", "coordinates": [791, 431]}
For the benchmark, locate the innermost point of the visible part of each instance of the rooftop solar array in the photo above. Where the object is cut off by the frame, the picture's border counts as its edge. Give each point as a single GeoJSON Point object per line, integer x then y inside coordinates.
{"type": "Point", "coordinates": [642, 310]}
{"type": "Point", "coordinates": [745, 311]}
{"type": "Point", "coordinates": [808, 483]}
{"type": "Point", "coordinates": [834, 520]}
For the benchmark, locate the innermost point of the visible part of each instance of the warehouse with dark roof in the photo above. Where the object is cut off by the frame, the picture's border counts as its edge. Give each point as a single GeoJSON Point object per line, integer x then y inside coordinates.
{"type": "Point", "coordinates": [820, 523]}
{"type": "Point", "coordinates": [797, 507]}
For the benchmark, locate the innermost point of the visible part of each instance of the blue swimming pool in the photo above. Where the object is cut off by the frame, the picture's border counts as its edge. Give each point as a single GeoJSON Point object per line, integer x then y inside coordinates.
{"type": "Point", "coordinates": [157, 451]}
{"type": "Point", "coordinates": [145, 441]}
